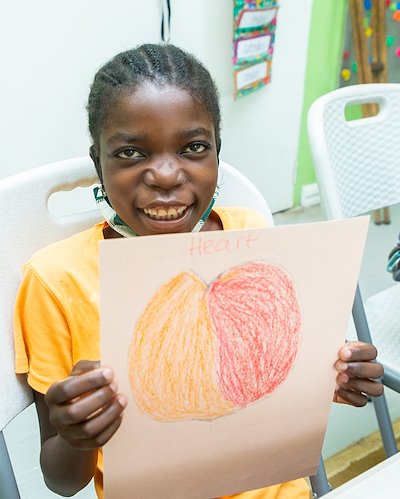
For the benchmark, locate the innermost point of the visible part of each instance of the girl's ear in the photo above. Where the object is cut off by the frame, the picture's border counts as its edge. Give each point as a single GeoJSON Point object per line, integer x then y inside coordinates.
{"type": "Point", "coordinates": [96, 161]}
{"type": "Point", "coordinates": [218, 150]}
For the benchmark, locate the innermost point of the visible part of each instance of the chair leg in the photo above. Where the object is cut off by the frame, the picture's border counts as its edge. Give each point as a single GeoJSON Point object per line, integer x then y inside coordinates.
{"type": "Point", "coordinates": [8, 484]}
{"type": "Point", "coordinates": [380, 404]}
{"type": "Point", "coordinates": [319, 482]}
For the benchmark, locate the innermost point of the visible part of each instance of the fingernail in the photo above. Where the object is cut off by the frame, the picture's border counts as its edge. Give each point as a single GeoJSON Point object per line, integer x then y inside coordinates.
{"type": "Point", "coordinates": [343, 378]}
{"type": "Point", "coordinates": [108, 374]}
{"type": "Point", "coordinates": [113, 386]}
{"type": "Point", "coordinates": [347, 353]}
{"type": "Point", "coordinates": [122, 402]}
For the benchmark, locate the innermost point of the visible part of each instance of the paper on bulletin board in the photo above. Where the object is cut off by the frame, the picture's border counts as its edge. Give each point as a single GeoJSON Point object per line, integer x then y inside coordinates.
{"type": "Point", "coordinates": [251, 18]}
{"type": "Point", "coordinates": [224, 343]}
{"type": "Point", "coordinates": [245, 48]}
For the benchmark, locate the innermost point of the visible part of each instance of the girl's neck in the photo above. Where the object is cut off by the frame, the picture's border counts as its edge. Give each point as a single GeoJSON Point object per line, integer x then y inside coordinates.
{"type": "Point", "coordinates": [213, 222]}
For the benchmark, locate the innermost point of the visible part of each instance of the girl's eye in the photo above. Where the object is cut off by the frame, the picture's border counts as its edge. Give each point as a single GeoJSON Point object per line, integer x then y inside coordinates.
{"type": "Point", "coordinates": [129, 153]}
{"type": "Point", "coordinates": [195, 148]}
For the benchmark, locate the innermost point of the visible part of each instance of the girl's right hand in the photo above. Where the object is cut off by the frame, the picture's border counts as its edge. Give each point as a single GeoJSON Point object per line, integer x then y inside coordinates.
{"type": "Point", "coordinates": [86, 408]}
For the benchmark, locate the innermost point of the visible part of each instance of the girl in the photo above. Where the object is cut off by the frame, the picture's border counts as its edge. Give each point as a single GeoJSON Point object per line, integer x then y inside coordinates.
{"type": "Point", "coordinates": [155, 124]}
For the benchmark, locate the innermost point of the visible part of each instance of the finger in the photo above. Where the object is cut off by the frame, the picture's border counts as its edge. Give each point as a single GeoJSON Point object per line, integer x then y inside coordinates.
{"type": "Point", "coordinates": [343, 396]}
{"type": "Point", "coordinates": [360, 369]}
{"type": "Point", "coordinates": [84, 407]}
{"type": "Point", "coordinates": [366, 386]}
{"type": "Point", "coordinates": [358, 351]}
{"type": "Point", "coordinates": [77, 386]}
{"type": "Point", "coordinates": [84, 366]}
{"type": "Point", "coordinates": [93, 430]}
{"type": "Point", "coordinates": [100, 439]}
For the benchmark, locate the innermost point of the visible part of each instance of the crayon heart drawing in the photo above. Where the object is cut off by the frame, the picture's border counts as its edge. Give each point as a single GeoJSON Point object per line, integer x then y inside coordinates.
{"type": "Point", "coordinates": [203, 351]}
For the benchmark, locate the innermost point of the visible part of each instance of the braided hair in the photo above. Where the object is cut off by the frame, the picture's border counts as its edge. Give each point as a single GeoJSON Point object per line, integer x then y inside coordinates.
{"type": "Point", "coordinates": [159, 64]}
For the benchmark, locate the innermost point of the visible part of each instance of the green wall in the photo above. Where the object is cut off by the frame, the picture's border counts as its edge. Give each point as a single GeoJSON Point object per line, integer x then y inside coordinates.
{"type": "Point", "coordinates": [322, 73]}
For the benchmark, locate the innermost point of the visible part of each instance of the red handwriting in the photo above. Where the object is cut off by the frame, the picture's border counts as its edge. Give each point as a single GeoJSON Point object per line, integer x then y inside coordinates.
{"type": "Point", "coordinates": [202, 246]}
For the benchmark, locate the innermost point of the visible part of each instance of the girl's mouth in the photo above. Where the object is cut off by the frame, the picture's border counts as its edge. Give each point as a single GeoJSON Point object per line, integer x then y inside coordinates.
{"type": "Point", "coordinates": [171, 213]}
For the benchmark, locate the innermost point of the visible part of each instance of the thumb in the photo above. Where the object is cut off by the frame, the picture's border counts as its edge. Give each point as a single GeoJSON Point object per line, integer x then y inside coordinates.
{"type": "Point", "coordinates": [84, 366]}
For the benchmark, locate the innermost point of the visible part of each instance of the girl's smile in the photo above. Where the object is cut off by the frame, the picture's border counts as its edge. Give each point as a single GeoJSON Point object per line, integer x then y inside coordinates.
{"type": "Point", "coordinates": [166, 213]}
{"type": "Point", "coordinates": [167, 218]}
{"type": "Point", "coordinates": [158, 159]}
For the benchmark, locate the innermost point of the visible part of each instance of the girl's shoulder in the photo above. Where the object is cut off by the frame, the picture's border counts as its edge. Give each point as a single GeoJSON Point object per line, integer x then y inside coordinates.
{"type": "Point", "coordinates": [63, 254]}
{"type": "Point", "coordinates": [235, 217]}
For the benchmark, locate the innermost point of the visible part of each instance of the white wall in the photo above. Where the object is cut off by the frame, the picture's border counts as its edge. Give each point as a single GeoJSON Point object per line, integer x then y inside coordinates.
{"type": "Point", "coordinates": [50, 51]}
{"type": "Point", "coordinates": [260, 132]}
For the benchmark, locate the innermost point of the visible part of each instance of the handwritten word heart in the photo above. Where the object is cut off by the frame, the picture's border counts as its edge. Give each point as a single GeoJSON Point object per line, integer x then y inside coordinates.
{"type": "Point", "coordinates": [200, 352]}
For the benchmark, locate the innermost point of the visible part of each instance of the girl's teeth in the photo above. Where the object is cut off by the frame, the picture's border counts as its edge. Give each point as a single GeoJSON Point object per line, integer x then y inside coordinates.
{"type": "Point", "coordinates": [163, 214]}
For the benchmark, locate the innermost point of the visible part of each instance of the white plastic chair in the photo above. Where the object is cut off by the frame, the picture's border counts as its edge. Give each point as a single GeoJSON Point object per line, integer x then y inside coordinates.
{"type": "Point", "coordinates": [27, 226]}
{"type": "Point", "coordinates": [358, 166]}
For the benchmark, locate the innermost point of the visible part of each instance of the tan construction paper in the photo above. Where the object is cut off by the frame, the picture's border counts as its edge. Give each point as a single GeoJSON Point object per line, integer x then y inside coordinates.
{"type": "Point", "coordinates": [189, 322]}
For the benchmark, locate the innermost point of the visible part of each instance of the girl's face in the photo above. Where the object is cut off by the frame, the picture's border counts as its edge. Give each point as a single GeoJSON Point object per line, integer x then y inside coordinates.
{"type": "Point", "coordinates": [158, 160]}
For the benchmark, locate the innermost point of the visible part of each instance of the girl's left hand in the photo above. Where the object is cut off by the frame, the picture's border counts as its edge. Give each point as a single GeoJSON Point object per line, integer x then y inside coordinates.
{"type": "Point", "coordinates": [356, 374]}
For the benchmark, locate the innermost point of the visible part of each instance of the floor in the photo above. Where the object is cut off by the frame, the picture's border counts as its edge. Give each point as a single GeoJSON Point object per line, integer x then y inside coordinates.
{"type": "Point", "coordinates": [346, 424]}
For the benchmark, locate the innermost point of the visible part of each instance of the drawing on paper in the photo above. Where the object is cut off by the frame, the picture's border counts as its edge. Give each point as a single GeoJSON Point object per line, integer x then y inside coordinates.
{"type": "Point", "coordinates": [200, 352]}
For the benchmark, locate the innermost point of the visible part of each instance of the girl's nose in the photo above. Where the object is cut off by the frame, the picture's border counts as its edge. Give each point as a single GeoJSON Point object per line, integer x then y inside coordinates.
{"type": "Point", "coordinates": [164, 175]}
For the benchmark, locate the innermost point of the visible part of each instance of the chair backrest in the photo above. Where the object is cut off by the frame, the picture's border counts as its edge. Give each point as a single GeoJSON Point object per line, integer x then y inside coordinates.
{"type": "Point", "coordinates": [28, 226]}
{"type": "Point", "coordinates": [238, 190]}
{"type": "Point", "coordinates": [357, 162]}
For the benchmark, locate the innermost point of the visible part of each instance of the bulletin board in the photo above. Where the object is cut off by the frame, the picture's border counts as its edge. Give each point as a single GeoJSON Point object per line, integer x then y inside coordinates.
{"type": "Point", "coordinates": [254, 24]}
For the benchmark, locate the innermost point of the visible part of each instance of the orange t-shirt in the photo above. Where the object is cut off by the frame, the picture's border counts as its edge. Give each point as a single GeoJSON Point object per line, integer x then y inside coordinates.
{"type": "Point", "coordinates": [57, 319]}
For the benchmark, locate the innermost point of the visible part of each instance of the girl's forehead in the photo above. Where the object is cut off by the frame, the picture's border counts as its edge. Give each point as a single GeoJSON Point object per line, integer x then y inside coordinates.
{"type": "Point", "coordinates": [151, 94]}
{"type": "Point", "coordinates": [156, 103]}
{"type": "Point", "coordinates": [149, 91]}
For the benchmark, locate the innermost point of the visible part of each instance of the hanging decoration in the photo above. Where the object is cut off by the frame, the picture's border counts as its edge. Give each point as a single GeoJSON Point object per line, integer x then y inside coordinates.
{"type": "Point", "coordinates": [166, 21]}
{"type": "Point", "coordinates": [372, 43]}
{"type": "Point", "coordinates": [254, 23]}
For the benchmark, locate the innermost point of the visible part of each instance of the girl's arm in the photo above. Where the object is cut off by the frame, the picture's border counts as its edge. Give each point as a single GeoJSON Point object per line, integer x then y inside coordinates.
{"type": "Point", "coordinates": [77, 416]}
{"type": "Point", "coordinates": [65, 469]}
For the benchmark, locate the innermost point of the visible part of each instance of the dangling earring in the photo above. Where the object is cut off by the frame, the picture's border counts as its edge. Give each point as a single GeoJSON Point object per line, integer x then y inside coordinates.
{"type": "Point", "coordinates": [103, 203]}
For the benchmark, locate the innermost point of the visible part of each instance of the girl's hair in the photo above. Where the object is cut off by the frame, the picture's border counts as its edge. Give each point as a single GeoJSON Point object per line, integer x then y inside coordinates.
{"type": "Point", "coordinates": [158, 64]}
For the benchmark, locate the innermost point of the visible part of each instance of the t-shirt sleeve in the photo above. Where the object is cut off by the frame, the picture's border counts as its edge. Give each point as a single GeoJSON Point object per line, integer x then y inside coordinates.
{"type": "Point", "coordinates": [254, 219]}
{"type": "Point", "coordinates": [241, 218]}
{"type": "Point", "coordinates": [41, 334]}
